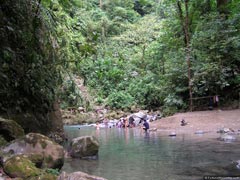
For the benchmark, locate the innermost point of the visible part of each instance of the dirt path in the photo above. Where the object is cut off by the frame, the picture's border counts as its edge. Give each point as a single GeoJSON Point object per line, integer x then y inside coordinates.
{"type": "Point", "coordinates": [210, 121]}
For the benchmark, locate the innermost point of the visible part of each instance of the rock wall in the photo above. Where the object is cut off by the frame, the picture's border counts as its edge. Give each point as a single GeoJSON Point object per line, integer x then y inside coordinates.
{"type": "Point", "coordinates": [48, 122]}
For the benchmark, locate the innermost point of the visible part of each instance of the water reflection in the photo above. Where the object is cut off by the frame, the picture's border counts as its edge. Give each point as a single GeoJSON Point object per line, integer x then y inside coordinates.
{"type": "Point", "coordinates": [132, 154]}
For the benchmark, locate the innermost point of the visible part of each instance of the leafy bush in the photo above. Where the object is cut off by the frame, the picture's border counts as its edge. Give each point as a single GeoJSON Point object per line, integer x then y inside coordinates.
{"type": "Point", "coordinates": [173, 101]}
{"type": "Point", "coordinates": [53, 171]}
{"type": "Point", "coordinates": [120, 100]}
{"type": "Point", "coordinates": [70, 95]}
{"type": "Point", "coordinates": [146, 91]}
{"type": "Point", "coordinates": [169, 110]}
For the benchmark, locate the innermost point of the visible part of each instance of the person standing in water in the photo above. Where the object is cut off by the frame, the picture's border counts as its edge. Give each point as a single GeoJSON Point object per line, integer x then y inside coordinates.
{"type": "Point", "coordinates": [97, 125]}
{"type": "Point", "coordinates": [145, 125]}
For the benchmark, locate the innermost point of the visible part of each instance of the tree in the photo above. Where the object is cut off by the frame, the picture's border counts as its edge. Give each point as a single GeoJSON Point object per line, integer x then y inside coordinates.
{"type": "Point", "coordinates": [185, 26]}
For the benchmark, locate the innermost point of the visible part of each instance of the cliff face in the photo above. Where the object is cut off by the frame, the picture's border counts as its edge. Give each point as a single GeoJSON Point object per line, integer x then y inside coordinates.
{"type": "Point", "coordinates": [45, 122]}
{"type": "Point", "coordinates": [29, 77]}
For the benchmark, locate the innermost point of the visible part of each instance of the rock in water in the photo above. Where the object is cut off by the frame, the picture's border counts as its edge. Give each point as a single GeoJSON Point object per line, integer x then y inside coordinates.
{"type": "Point", "coordinates": [223, 130]}
{"type": "Point", "coordinates": [10, 130]}
{"type": "Point", "coordinates": [226, 137]}
{"type": "Point", "coordinates": [199, 132]}
{"type": "Point", "coordinates": [46, 152]}
{"type": "Point", "coordinates": [238, 164]}
{"type": "Point", "coordinates": [173, 134]}
{"type": "Point", "coordinates": [85, 146]}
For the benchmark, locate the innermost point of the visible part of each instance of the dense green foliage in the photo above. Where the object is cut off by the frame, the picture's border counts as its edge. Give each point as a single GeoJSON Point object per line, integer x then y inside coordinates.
{"type": "Point", "coordinates": [133, 52]}
{"type": "Point", "coordinates": [130, 53]}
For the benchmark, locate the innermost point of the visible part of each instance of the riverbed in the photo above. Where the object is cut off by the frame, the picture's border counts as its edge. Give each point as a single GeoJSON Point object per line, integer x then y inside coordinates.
{"type": "Point", "coordinates": [132, 154]}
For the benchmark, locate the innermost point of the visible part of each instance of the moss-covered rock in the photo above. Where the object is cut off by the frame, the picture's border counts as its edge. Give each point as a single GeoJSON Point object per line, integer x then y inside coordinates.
{"type": "Point", "coordinates": [37, 159]}
{"type": "Point", "coordinates": [10, 130]}
{"type": "Point", "coordinates": [40, 149]}
{"type": "Point", "coordinates": [20, 166]}
{"type": "Point", "coordinates": [84, 146]}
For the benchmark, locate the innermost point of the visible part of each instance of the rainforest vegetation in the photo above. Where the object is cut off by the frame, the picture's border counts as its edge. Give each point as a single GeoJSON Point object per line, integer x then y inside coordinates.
{"type": "Point", "coordinates": [130, 53]}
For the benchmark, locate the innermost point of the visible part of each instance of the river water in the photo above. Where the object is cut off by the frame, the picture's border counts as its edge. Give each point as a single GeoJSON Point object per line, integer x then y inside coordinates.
{"type": "Point", "coordinates": [131, 154]}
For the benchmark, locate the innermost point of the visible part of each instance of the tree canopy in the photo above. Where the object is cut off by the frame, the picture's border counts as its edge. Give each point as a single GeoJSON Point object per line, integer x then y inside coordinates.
{"type": "Point", "coordinates": [144, 53]}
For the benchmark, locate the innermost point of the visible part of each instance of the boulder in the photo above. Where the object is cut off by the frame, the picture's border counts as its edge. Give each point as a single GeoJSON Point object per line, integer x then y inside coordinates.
{"type": "Point", "coordinates": [10, 130]}
{"type": "Point", "coordinates": [47, 154]}
{"type": "Point", "coordinates": [172, 134]}
{"type": "Point", "coordinates": [19, 166]}
{"type": "Point", "coordinates": [78, 176]}
{"type": "Point", "coordinates": [226, 137]}
{"type": "Point", "coordinates": [238, 164]}
{"type": "Point", "coordinates": [225, 130]}
{"type": "Point", "coordinates": [200, 132]}
{"type": "Point", "coordinates": [139, 116]}
{"type": "Point", "coordinates": [233, 168]}
{"type": "Point", "coordinates": [84, 146]}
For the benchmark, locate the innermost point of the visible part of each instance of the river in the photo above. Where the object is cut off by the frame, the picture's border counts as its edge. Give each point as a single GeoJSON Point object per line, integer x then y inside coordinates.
{"type": "Point", "coordinates": [131, 154]}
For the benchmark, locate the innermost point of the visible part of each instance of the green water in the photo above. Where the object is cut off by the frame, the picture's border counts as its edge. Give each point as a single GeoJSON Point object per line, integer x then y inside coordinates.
{"type": "Point", "coordinates": [130, 154]}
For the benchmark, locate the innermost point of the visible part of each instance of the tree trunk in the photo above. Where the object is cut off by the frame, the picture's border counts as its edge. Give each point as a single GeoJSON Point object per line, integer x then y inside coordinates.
{"type": "Point", "coordinates": [221, 3]}
{"type": "Point", "coordinates": [100, 4]}
{"type": "Point", "coordinates": [143, 65]}
{"type": "Point", "coordinates": [38, 6]}
{"type": "Point", "coordinates": [188, 54]}
{"type": "Point", "coordinates": [207, 6]}
{"type": "Point", "coordinates": [163, 67]}
{"type": "Point", "coordinates": [185, 27]}
{"type": "Point", "coordinates": [222, 6]}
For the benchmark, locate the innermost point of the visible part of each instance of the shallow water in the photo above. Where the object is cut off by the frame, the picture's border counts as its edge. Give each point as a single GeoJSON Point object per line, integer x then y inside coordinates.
{"type": "Point", "coordinates": [131, 154]}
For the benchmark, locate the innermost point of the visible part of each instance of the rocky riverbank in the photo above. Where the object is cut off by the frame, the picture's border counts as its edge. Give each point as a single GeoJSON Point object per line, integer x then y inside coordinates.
{"type": "Point", "coordinates": [35, 156]}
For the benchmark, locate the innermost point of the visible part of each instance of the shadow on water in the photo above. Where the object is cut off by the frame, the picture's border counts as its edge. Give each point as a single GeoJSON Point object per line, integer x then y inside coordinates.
{"type": "Point", "coordinates": [131, 154]}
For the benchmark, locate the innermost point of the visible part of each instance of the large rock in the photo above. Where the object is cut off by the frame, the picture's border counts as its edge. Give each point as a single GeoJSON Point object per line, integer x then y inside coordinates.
{"type": "Point", "coordinates": [10, 130]}
{"type": "Point", "coordinates": [199, 132]}
{"type": "Point", "coordinates": [226, 137]}
{"type": "Point", "coordinates": [223, 130]}
{"type": "Point", "coordinates": [139, 116]}
{"type": "Point", "coordinates": [46, 153]}
{"type": "Point", "coordinates": [78, 176]}
{"type": "Point", "coordinates": [20, 166]}
{"type": "Point", "coordinates": [84, 146]}
{"type": "Point", "coordinates": [237, 163]}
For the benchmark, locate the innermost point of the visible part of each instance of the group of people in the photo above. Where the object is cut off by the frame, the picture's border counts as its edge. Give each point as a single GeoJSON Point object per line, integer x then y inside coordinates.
{"type": "Point", "coordinates": [125, 122]}
{"type": "Point", "coordinates": [130, 122]}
